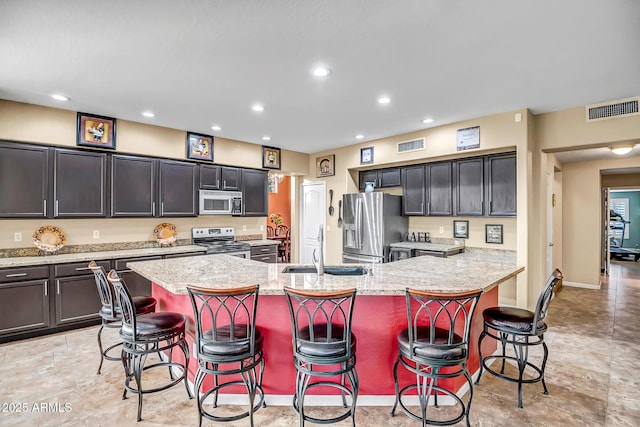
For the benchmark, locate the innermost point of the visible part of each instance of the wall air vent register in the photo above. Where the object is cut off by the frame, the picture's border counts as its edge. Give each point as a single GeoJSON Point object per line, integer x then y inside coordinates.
{"type": "Point", "coordinates": [415, 145]}
{"type": "Point", "coordinates": [613, 109]}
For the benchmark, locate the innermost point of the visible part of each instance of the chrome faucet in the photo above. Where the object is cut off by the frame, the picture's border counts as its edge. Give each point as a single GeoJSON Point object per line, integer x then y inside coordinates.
{"type": "Point", "coordinates": [318, 261]}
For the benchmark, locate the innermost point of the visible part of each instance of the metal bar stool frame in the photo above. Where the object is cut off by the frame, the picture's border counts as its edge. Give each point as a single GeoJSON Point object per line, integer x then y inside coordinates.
{"type": "Point", "coordinates": [321, 336]}
{"type": "Point", "coordinates": [430, 342]}
{"type": "Point", "coordinates": [111, 314]}
{"type": "Point", "coordinates": [138, 342]}
{"type": "Point", "coordinates": [232, 338]}
{"type": "Point", "coordinates": [520, 329]}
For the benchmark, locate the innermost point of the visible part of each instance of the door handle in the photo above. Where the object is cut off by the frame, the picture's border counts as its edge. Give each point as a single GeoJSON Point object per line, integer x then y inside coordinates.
{"type": "Point", "coordinates": [550, 243]}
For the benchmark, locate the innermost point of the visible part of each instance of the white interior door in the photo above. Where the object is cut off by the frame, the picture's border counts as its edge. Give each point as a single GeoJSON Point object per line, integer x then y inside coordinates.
{"type": "Point", "coordinates": [311, 217]}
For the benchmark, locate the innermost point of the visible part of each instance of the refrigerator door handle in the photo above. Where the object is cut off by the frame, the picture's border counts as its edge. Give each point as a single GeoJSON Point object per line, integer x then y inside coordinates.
{"type": "Point", "coordinates": [359, 223]}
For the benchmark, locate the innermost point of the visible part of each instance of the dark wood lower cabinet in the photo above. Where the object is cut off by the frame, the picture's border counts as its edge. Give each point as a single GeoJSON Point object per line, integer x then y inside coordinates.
{"type": "Point", "coordinates": [24, 306]}
{"type": "Point", "coordinates": [77, 299]}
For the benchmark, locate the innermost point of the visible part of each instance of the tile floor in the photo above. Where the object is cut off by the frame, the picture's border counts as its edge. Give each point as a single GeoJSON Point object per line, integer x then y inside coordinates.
{"type": "Point", "coordinates": [592, 375]}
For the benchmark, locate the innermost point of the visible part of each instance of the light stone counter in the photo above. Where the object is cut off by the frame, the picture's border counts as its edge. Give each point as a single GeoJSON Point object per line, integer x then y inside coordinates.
{"type": "Point", "coordinates": [262, 242]}
{"type": "Point", "coordinates": [88, 256]}
{"type": "Point", "coordinates": [429, 273]}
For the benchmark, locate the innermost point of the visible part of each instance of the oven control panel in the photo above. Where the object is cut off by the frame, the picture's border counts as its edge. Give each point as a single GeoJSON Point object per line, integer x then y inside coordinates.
{"type": "Point", "coordinates": [202, 232]}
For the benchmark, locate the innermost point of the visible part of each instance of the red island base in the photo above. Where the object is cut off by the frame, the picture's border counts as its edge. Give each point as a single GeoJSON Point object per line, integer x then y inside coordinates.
{"type": "Point", "coordinates": [376, 323]}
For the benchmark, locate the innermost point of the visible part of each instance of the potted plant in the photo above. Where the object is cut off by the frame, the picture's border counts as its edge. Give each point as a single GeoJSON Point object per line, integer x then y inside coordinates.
{"type": "Point", "coordinates": [276, 219]}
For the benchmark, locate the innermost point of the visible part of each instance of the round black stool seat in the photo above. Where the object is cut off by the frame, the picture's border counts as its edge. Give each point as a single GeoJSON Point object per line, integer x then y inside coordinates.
{"type": "Point", "coordinates": [514, 320]}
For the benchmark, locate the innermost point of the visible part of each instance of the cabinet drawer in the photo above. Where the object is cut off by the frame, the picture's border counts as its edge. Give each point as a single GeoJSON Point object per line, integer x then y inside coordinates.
{"type": "Point", "coordinates": [424, 252]}
{"type": "Point", "coordinates": [78, 268]}
{"type": "Point", "coordinates": [183, 255]}
{"type": "Point", "coordinates": [19, 274]}
{"type": "Point", "coordinates": [270, 258]}
{"type": "Point", "coordinates": [121, 264]}
{"type": "Point", "coordinates": [264, 250]}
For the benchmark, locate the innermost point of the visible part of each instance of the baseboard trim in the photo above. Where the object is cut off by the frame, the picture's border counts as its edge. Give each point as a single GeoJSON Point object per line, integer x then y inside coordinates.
{"type": "Point", "coordinates": [581, 285]}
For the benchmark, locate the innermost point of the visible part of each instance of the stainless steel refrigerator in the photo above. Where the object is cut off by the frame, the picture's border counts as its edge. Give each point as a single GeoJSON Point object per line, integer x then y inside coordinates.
{"type": "Point", "coordinates": [372, 221]}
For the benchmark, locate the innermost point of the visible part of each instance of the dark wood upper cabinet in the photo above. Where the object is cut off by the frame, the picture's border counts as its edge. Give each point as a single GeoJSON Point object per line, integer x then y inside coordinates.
{"type": "Point", "coordinates": [470, 187]}
{"type": "Point", "coordinates": [210, 177]}
{"type": "Point", "coordinates": [413, 190]}
{"type": "Point", "coordinates": [381, 178]}
{"type": "Point", "coordinates": [24, 181]}
{"type": "Point", "coordinates": [80, 184]}
{"type": "Point", "coordinates": [133, 186]}
{"type": "Point", "coordinates": [502, 178]}
{"type": "Point", "coordinates": [439, 189]}
{"type": "Point", "coordinates": [255, 197]}
{"type": "Point", "coordinates": [178, 188]}
{"type": "Point", "coordinates": [231, 178]}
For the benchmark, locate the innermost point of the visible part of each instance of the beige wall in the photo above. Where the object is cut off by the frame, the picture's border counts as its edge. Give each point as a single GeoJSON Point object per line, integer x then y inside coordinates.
{"type": "Point", "coordinates": [43, 125]}
{"type": "Point", "coordinates": [498, 133]}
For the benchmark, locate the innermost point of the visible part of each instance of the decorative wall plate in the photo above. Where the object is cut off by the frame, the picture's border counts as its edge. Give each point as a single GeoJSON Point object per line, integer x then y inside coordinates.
{"type": "Point", "coordinates": [49, 238]}
{"type": "Point", "coordinates": [165, 233]}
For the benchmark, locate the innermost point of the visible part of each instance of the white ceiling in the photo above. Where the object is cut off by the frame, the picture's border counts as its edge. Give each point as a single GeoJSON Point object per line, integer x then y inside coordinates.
{"type": "Point", "coordinates": [200, 63]}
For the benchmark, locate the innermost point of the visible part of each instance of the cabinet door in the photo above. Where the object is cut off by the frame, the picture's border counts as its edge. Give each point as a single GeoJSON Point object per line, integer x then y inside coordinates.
{"type": "Point", "coordinates": [79, 187]}
{"type": "Point", "coordinates": [137, 285]}
{"type": "Point", "coordinates": [178, 188]}
{"type": "Point", "coordinates": [255, 198]}
{"type": "Point", "coordinates": [231, 178]}
{"type": "Point", "coordinates": [502, 175]}
{"type": "Point", "coordinates": [368, 176]}
{"type": "Point", "coordinates": [470, 187]}
{"type": "Point", "coordinates": [413, 190]}
{"type": "Point", "coordinates": [77, 299]}
{"type": "Point", "coordinates": [389, 178]}
{"type": "Point", "coordinates": [133, 184]}
{"type": "Point", "coordinates": [24, 181]}
{"type": "Point", "coordinates": [210, 177]}
{"type": "Point", "coordinates": [440, 189]}
{"type": "Point", "coordinates": [24, 306]}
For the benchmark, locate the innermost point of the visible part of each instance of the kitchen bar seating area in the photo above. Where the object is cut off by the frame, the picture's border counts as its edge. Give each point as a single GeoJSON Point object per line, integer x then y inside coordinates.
{"type": "Point", "coordinates": [598, 390]}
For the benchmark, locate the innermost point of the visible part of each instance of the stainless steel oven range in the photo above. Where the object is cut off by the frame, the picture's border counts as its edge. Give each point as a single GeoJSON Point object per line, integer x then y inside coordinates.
{"type": "Point", "coordinates": [220, 240]}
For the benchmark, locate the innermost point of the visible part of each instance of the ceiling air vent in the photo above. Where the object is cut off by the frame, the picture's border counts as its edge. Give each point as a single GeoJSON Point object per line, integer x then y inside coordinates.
{"type": "Point", "coordinates": [416, 144]}
{"type": "Point", "coordinates": [611, 110]}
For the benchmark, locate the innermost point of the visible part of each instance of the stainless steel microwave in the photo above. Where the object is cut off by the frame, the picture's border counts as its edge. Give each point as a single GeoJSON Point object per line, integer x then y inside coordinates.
{"type": "Point", "coordinates": [220, 202]}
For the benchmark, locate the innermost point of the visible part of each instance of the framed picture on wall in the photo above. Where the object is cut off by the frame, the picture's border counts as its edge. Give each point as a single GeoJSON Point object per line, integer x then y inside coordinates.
{"type": "Point", "coordinates": [460, 229]}
{"type": "Point", "coordinates": [493, 233]}
{"type": "Point", "coordinates": [270, 157]}
{"type": "Point", "coordinates": [96, 131]}
{"type": "Point", "coordinates": [366, 155]}
{"type": "Point", "coordinates": [325, 166]}
{"type": "Point", "coordinates": [199, 146]}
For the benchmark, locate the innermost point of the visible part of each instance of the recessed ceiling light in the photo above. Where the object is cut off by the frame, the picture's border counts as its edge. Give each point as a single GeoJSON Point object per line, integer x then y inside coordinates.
{"type": "Point", "coordinates": [216, 127]}
{"type": "Point", "coordinates": [59, 97]}
{"type": "Point", "coordinates": [427, 120]}
{"type": "Point", "coordinates": [266, 138]}
{"type": "Point", "coordinates": [321, 71]}
{"type": "Point", "coordinates": [257, 107]}
{"type": "Point", "coordinates": [359, 136]}
{"type": "Point", "coordinates": [384, 100]}
{"type": "Point", "coordinates": [148, 114]}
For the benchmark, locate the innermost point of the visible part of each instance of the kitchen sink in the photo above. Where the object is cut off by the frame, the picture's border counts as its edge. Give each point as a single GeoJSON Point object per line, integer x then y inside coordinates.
{"type": "Point", "coordinates": [335, 271]}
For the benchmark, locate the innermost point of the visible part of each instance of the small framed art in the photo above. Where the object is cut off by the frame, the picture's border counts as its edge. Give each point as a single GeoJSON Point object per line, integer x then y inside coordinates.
{"type": "Point", "coordinates": [325, 166]}
{"type": "Point", "coordinates": [493, 233]}
{"type": "Point", "coordinates": [199, 146]}
{"type": "Point", "coordinates": [460, 229]}
{"type": "Point", "coordinates": [270, 157]}
{"type": "Point", "coordinates": [366, 155]}
{"type": "Point", "coordinates": [96, 131]}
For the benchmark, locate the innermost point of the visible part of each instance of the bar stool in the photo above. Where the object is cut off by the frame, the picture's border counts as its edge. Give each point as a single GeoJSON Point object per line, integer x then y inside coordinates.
{"type": "Point", "coordinates": [321, 333]}
{"type": "Point", "coordinates": [145, 334]}
{"type": "Point", "coordinates": [228, 343]}
{"type": "Point", "coordinates": [437, 337]}
{"type": "Point", "coordinates": [522, 329]}
{"type": "Point", "coordinates": [110, 313]}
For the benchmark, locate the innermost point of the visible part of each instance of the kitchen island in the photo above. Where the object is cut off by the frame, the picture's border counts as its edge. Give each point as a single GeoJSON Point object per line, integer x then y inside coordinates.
{"type": "Point", "coordinates": [379, 311]}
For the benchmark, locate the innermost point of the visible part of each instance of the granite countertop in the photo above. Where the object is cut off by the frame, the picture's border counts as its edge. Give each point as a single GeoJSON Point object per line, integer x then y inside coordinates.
{"type": "Point", "coordinates": [428, 273]}
{"type": "Point", "coordinates": [440, 247]}
{"type": "Point", "coordinates": [261, 242]}
{"type": "Point", "coordinates": [99, 255]}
